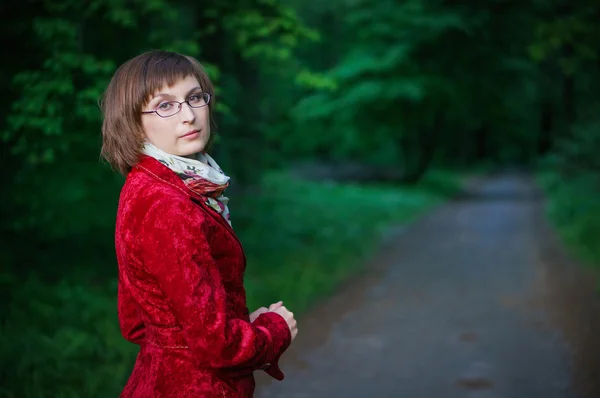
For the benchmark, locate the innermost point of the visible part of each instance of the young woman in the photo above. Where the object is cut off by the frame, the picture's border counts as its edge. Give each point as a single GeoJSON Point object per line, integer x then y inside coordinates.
{"type": "Point", "coordinates": [181, 267]}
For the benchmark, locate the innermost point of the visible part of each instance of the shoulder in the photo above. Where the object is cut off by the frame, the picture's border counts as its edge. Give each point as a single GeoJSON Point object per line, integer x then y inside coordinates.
{"type": "Point", "coordinates": [144, 184]}
{"type": "Point", "coordinates": [150, 196]}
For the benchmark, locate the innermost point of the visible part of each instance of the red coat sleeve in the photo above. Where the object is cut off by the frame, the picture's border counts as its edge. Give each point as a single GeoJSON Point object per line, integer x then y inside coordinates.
{"type": "Point", "coordinates": [130, 323]}
{"type": "Point", "coordinates": [176, 253]}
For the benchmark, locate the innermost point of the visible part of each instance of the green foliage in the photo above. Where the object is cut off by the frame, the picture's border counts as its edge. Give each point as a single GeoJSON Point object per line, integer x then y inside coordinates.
{"type": "Point", "coordinates": [51, 135]}
{"type": "Point", "coordinates": [262, 30]}
{"type": "Point", "coordinates": [53, 124]}
{"type": "Point", "coordinates": [571, 178]}
{"type": "Point", "coordinates": [396, 85]}
{"type": "Point", "coordinates": [380, 78]}
{"type": "Point", "coordinates": [572, 38]}
{"type": "Point", "coordinates": [271, 39]}
{"type": "Point", "coordinates": [578, 154]}
{"type": "Point", "coordinates": [417, 81]}
{"type": "Point", "coordinates": [574, 208]}
{"type": "Point", "coordinates": [84, 356]}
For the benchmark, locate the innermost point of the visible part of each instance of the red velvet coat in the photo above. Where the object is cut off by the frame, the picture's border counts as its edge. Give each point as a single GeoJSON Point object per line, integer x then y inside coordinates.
{"type": "Point", "coordinates": [181, 295]}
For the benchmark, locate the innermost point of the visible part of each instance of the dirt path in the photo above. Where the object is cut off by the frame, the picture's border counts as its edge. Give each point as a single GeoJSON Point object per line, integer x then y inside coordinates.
{"type": "Point", "coordinates": [473, 301]}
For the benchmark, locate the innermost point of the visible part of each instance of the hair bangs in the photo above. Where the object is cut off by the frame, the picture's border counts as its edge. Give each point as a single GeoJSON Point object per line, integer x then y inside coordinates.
{"type": "Point", "coordinates": [165, 70]}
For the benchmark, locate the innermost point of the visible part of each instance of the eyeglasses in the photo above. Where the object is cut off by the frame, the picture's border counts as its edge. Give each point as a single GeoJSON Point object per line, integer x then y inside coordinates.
{"type": "Point", "coordinates": [170, 108]}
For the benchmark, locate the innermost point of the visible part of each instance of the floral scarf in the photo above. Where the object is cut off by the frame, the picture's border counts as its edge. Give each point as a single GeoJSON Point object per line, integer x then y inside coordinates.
{"type": "Point", "coordinates": [202, 176]}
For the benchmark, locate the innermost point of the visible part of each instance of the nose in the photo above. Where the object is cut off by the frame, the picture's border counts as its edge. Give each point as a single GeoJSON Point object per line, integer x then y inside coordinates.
{"type": "Point", "coordinates": [187, 113]}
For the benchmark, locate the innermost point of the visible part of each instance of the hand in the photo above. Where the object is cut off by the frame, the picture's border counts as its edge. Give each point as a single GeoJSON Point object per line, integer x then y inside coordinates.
{"type": "Point", "coordinates": [274, 306]}
{"type": "Point", "coordinates": [262, 310]}
{"type": "Point", "coordinates": [288, 316]}
{"type": "Point", "coordinates": [256, 313]}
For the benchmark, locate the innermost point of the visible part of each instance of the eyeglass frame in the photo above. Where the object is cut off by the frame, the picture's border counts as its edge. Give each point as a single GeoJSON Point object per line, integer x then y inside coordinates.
{"type": "Point", "coordinates": [180, 105]}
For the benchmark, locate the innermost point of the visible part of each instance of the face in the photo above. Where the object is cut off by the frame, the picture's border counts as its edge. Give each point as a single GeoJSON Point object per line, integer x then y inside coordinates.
{"type": "Point", "coordinates": [185, 133]}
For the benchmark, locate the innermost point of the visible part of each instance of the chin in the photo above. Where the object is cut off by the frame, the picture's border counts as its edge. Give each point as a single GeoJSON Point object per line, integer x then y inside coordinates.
{"type": "Point", "coordinates": [192, 148]}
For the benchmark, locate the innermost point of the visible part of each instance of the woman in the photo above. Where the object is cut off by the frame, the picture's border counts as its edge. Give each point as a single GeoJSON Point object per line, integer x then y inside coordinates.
{"type": "Point", "coordinates": [181, 295]}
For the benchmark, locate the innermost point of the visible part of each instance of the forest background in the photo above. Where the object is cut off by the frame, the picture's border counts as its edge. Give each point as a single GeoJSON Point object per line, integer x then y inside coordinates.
{"type": "Point", "coordinates": [338, 122]}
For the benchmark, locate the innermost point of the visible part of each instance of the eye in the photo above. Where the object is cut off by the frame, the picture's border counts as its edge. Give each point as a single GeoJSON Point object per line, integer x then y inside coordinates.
{"type": "Point", "coordinates": [196, 99]}
{"type": "Point", "coordinates": [165, 106]}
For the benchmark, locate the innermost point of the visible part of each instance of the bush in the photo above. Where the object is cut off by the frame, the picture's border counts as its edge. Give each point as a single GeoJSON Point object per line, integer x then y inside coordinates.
{"type": "Point", "coordinates": [571, 179]}
{"type": "Point", "coordinates": [574, 207]}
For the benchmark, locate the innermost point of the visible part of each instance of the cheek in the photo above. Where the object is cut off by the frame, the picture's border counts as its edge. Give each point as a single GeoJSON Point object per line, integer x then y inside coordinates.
{"type": "Point", "coordinates": [147, 128]}
{"type": "Point", "coordinates": [207, 122]}
{"type": "Point", "coordinates": [153, 130]}
{"type": "Point", "coordinates": [204, 114]}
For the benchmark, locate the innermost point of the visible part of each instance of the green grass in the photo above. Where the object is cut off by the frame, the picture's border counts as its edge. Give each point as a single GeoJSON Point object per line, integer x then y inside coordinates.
{"type": "Point", "coordinates": [302, 239]}
{"type": "Point", "coordinates": [574, 208]}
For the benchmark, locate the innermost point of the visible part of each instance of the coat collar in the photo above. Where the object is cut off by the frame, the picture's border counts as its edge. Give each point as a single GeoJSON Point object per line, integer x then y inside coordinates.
{"type": "Point", "coordinates": [149, 165]}
{"type": "Point", "coordinates": [158, 170]}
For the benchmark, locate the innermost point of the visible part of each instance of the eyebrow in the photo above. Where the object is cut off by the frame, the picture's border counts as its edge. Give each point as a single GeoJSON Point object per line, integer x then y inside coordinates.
{"type": "Point", "coordinates": [165, 95]}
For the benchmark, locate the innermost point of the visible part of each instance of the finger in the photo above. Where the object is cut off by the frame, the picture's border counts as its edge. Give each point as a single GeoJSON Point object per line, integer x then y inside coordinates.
{"type": "Point", "coordinates": [260, 311]}
{"type": "Point", "coordinates": [281, 310]}
{"type": "Point", "coordinates": [276, 305]}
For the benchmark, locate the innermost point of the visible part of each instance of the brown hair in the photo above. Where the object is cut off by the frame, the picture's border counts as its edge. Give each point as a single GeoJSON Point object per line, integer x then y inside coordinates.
{"type": "Point", "coordinates": [130, 88]}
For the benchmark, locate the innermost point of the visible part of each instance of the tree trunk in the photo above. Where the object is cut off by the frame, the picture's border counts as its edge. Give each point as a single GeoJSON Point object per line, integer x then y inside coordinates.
{"type": "Point", "coordinates": [565, 11]}
{"type": "Point", "coordinates": [425, 150]}
{"type": "Point", "coordinates": [481, 142]}
{"type": "Point", "coordinates": [569, 100]}
{"type": "Point", "coordinates": [546, 124]}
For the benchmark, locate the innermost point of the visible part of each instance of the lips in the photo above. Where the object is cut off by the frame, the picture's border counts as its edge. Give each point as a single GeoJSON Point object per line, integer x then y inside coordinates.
{"type": "Point", "coordinates": [190, 133]}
